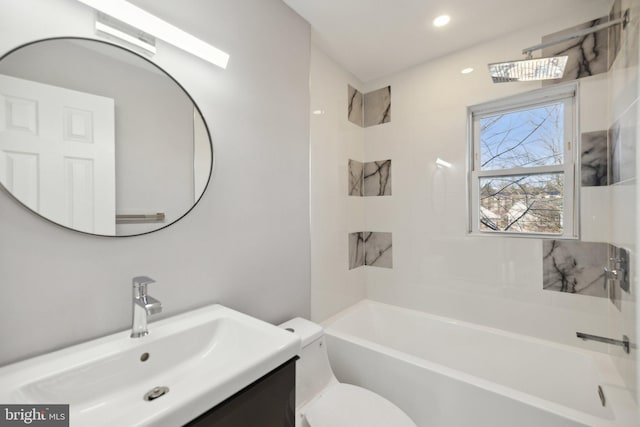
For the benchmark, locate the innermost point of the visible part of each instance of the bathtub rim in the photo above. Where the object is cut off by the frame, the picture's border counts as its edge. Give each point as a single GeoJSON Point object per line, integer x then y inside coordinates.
{"type": "Point", "coordinates": [621, 405]}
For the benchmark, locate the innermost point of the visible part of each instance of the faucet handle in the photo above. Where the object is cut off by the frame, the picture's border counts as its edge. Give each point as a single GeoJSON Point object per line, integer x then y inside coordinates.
{"type": "Point", "coordinates": [619, 263]}
{"type": "Point", "coordinates": [611, 274]}
{"type": "Point", "coordinates": [140, 285]}
{"type": "Point", "coordinates": [142, 280]}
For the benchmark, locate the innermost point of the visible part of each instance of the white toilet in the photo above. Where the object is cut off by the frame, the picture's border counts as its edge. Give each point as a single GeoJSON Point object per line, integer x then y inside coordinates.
{"type": "Point", "coordinates": [321, 401]}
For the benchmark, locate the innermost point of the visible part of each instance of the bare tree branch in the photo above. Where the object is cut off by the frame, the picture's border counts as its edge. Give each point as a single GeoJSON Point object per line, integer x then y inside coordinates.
{"type": "Point", "coordinates": [521, 142]}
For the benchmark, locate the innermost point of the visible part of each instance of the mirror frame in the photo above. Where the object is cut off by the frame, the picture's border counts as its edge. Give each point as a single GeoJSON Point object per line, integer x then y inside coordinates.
{"type": "Point", "coordinates": [149, 61]}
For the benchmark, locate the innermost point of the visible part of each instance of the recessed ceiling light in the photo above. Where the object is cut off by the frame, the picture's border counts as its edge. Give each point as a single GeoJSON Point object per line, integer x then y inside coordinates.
{"type": "Point", "coordinates": [441, 20]}
{"type": "Point", "coordinates": [466, 70]}
{"type": "Point", "coordinates": [318, 112]}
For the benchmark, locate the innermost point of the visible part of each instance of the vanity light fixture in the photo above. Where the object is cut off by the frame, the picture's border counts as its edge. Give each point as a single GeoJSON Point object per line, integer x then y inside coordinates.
{"type": "Point", "coordinates": [466, 70]}
{"type": "Point", "coordinates": [441, 20]}
{"type": "Point", "coordinates": [152, 25]}
{"type": "Point", "coordinates": [443, 163]}
{"type": "Point", "coordinates": [113, 28]}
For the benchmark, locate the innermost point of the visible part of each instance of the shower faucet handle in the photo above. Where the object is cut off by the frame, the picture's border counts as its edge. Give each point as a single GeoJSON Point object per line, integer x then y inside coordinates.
{"type": "Point", "coordinates": [618, 263]}
{"type": "Point", "coordinates": [611, 274]}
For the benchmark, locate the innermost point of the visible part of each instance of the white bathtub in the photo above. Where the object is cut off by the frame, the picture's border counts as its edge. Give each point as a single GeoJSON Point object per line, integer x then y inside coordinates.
{"type": "Point", "coordinates": [448, 373]}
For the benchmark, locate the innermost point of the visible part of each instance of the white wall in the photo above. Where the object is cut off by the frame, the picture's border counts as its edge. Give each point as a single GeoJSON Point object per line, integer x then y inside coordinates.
{"type": "Point", "coordinates": [334, 214]}
{"type": "Point", "coordinates": [245, 245]}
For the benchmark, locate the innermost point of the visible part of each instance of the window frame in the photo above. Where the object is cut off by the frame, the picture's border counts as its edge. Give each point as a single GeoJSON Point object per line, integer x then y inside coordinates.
{"type": "Point", "coordinates": [569, 94]}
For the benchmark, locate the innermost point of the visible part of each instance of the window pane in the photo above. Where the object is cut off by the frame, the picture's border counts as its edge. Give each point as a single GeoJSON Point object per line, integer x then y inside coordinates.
{"type": "Point", "coordinates": [525, 138]}
{"type": "Point", "coordinates": [525, 204]}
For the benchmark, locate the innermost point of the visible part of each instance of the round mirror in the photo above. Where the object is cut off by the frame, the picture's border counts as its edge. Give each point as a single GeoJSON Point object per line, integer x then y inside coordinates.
{"type": "Point", "coordinates": [98, 139]}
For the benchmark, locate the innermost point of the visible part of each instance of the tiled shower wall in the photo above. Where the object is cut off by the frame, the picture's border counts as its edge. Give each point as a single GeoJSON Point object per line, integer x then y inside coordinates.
{"type": "Point", "coordinates": [624, 114]}
{"type": "Point", "coordinates": [333, 213]}
{"type": "Point", "coordinates": [578, 267]}
{"type": "Point", "coordinates": [492, 281]}
{"type": "Point", "coordinates": [436, 266]}
{"type": "Point", "coordinates": [609, 159]}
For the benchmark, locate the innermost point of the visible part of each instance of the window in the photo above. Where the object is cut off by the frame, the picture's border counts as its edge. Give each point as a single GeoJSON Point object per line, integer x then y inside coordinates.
{"type": "Point", "coordinates": [522, 165]}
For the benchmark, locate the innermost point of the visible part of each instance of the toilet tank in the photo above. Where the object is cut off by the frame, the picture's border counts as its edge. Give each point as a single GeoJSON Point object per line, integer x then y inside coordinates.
{"type": "Point", "coordinates": [313, 372]}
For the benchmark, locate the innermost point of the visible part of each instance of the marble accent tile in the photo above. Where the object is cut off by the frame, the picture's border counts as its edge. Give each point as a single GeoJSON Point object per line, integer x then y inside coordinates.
{"type": "Point", "coordinates": [615, 33]}
{"type": "Point", "coordinates": [378, 249]}
{"type": "Point", "coordinates": [377, 107]}
{"type": "Point", "coordinates": [631, 39]}
{"type": "Point", "coordinates": [377, 178]}
{"type": "Point", "coordinates": [356, 250]}
{"type": "Point", "coordinates": [628, 36]}
{"type": "Point", "coordinates": [356, 177]}
{"type": "Point", "coordinates": [588, 55]}
{"type": "Point", "coordinates": [615, 160]}
{"type": "Point", "coordinates": [624, 75]}
{"type": "Point", "coordinates": [622, 139]}
{"type": "Point", "coordinates": [594, 158]}
{"type": "Point", "coordinates": [355, 108]}
{"type": "Point", "coordinates": [575, 267]}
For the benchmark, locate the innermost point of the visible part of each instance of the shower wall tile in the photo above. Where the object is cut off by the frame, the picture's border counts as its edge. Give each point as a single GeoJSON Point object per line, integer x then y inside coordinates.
{"type": "Point", "coordinates": [575, 267]}
{"type": "Point", "coordinates": [594, 159]}
{"type": "Point", "coordinates": [588, 55]}
{"type": "Point", "coordinates": [377, 107]}
{"type": "Point", "coordinates": [622, 138]}
{"type": "Point", "coordinates": [356, 177]}
{"type": "Point", "coordinates": [377, 178]}
{"type": "Point", "coordinates": [378, 249]}
{"type": "Point", "coordinates": [356, 250]}
{"type": "Point", "coordinates": [615, 33]}
{"type": "Point", "coordinates": [355, 107]}
{"type": "Point", "coordinates": [625, 79]}
{"type": "Point", "coordinates": [624, 95]}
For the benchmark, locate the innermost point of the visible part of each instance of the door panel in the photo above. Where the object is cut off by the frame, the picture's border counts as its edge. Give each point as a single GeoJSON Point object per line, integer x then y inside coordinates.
{"type": "Point", "coordinates": [58, 153]}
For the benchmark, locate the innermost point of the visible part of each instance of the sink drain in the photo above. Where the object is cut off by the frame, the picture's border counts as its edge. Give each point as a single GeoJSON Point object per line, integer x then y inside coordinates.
{"type": "Point", "coordinates": [156, 393]}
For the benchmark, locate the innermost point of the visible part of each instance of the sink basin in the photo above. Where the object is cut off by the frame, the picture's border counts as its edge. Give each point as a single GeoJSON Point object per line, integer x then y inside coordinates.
{"type": "Point", "coordinates": [202, 356]}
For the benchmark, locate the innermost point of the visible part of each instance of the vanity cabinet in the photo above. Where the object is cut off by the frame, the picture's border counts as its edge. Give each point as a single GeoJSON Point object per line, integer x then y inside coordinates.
{"type": "Point", "coordinates": [268, 402]}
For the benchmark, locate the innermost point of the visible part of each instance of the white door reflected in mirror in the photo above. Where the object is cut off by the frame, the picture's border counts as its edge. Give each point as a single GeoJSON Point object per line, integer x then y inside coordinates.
{"type": "Point", "coordinates": [91, 132]}
{"type": "Point", "coordinates": [58, 153]}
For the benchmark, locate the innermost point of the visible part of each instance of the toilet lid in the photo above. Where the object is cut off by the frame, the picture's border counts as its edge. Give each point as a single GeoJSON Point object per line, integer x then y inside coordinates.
{"type": "Point", "coordinates": [351, 406]}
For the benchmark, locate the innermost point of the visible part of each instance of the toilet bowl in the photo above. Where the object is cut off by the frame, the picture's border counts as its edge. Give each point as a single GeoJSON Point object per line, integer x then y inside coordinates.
{"type": "Point", "coordinates": [321, 401]}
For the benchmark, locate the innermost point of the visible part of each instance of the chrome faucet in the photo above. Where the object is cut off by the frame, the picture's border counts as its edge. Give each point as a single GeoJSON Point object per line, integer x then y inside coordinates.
{"type": "Point", "coordinates": [143, 306]}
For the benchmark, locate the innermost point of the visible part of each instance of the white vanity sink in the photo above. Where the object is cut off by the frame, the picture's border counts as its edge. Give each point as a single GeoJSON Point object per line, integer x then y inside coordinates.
{"type": "Point", "coordinates": [203, 356]}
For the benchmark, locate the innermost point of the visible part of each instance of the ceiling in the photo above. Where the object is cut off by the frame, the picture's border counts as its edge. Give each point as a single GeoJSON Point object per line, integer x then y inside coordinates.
{"type": "Point", "coordinates": [375, 38]}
